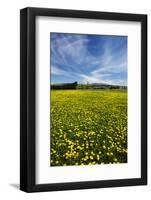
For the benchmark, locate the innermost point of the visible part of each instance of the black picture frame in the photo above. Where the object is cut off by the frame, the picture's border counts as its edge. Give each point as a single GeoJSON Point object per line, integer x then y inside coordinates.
{"type": "Point", "coordinates": [28, 99]}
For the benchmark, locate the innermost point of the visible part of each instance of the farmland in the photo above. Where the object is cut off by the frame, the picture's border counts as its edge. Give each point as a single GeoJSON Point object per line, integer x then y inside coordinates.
{"type": "Point", "coordinates": [88, 127]}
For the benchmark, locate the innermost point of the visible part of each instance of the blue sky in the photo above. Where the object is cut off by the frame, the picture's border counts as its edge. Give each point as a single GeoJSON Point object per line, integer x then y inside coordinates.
{"type": "Point", "coordinates": [88, 58]}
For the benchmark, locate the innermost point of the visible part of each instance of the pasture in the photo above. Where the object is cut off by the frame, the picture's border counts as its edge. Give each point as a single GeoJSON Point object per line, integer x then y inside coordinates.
{"type": "Point", "coordinates": [88, 127]}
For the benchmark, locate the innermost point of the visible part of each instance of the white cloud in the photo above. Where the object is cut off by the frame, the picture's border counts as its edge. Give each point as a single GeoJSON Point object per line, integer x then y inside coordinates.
{"type": "Point", "coordinates": [70, 49]}
{"type": "Point", "coordinates": [56, 71]}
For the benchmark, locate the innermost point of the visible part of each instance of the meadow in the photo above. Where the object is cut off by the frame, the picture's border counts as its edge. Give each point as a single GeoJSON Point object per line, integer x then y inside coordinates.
{"type": "Point", "coordinates": [88, 127]}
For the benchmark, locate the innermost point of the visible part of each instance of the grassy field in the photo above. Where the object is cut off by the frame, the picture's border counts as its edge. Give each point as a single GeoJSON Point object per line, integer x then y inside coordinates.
{"type": "Point", "coordinates": [88, 127]}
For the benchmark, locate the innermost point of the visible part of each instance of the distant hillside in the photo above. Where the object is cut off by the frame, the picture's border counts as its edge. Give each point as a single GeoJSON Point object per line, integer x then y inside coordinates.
{"type": "Point", "coordinates": [100, 86]}
{"type": "Point", "coordinates": [95, 86]}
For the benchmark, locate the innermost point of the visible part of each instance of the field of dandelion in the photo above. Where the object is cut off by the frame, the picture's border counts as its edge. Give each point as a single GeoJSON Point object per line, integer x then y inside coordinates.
{"type": "Point", "coordinates": [88, 127]}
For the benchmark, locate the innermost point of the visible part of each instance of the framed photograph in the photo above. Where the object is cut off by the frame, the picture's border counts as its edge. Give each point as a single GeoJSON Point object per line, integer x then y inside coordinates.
{"type": "Point", "coordinates": [83, 99]}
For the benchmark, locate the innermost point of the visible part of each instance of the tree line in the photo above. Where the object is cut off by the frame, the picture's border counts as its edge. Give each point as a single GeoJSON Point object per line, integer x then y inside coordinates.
{"type": "Point", "coordinates": [75, 85]}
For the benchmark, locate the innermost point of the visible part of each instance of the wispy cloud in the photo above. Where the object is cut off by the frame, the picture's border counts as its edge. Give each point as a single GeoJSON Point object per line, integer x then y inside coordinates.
{"type": "Point", "coordinates": [89, 58]}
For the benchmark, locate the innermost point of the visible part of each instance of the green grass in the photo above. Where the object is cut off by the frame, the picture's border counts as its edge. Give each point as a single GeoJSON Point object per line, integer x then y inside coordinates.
{"type": "Point", "coordinates": [88, 127]}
